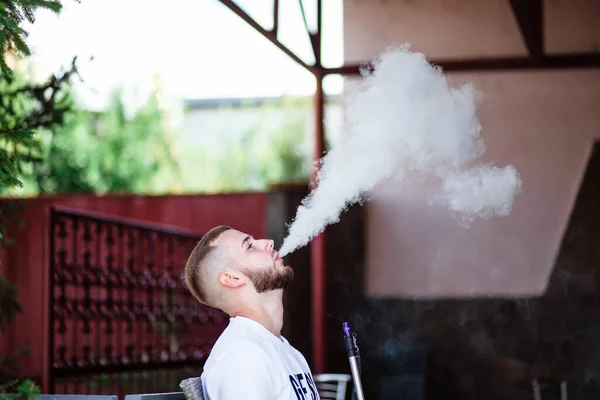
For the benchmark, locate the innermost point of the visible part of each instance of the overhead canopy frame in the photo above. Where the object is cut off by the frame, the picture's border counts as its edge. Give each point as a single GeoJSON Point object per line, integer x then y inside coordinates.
{"type": "Point", "coordinates": [529, 17]}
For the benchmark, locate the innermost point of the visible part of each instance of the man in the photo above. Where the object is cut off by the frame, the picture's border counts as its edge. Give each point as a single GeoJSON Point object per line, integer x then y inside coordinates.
{"type": "Point", "coordinates": [245, 278]}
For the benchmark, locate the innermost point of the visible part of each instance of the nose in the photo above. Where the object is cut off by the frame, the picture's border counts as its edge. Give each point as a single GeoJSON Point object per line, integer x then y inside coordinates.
{"type": "Point", "coordinates": [269, 244]}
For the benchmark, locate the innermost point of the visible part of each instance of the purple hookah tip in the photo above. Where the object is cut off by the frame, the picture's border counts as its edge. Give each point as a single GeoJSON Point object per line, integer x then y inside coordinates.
{"type": "Point", "coordinates": [346, 328]}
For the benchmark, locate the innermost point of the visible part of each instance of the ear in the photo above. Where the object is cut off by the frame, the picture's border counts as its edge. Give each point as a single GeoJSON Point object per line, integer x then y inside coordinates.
{"type": "Point", "coordinates": [230, 279]}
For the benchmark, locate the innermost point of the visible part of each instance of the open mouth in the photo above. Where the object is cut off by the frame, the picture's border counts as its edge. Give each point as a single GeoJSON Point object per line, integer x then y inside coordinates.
{"type": "Point", "coordinates": [276, 256]}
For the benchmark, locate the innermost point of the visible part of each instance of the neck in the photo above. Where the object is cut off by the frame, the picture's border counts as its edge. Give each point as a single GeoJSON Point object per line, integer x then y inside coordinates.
{"type": "Point", "coordinates": [266, 309]}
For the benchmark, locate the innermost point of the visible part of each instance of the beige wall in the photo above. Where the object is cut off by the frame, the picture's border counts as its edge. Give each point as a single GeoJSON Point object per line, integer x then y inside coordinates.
{"type": "Point", "coordinates": [463, 28]}
{"type": "Point", "coordinates": [543, 123]}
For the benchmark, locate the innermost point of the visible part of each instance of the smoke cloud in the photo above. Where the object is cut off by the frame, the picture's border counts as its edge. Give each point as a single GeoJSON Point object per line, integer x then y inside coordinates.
{"type": "Point", "coordinates": [406, 120]}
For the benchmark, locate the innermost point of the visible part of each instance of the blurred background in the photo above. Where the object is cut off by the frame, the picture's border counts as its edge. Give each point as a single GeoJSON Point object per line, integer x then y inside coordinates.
{"type": "Point", "coordinates": [133, 127]}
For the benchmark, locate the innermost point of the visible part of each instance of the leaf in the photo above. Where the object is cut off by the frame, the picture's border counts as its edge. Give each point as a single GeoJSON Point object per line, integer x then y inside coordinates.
{"type": "Point", "coordinates": [3, 66]}
{"type": "Point", "coordinates": [21, 45]}
{"type": "Point", "coordinates": [11, 27]}
{"type": "Point", "coordinates": [55, 6]}
{"type": "Point", "coordinates": [14, 13]}
{"type": "Point", "coordinates": [28, 14]}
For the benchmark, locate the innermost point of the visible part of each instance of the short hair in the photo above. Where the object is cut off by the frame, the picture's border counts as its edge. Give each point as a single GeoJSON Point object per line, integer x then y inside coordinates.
{"type": "Point", "coordinates": [199, 263]}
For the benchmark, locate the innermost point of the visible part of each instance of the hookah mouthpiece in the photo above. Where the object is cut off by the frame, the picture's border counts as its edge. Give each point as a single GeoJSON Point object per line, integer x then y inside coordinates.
{"type": "Point", "coordinates": [350, 340]}
{"type": "Point", "coordinates": [346, 329]}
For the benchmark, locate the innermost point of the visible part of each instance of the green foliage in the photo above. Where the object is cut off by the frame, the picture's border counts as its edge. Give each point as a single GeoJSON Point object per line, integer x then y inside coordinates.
{"type": "Point", "coordinates": [108, 152]}
{"type": "Point", "coordinates": [115, 152]}
{"type": "Point", "coordinates": [26, 390]}
{"type": "Point", "coordinates": [9, 365]}
{"type": "Point", "coordinates": [285, 149]}
{"type": "Point", "coordinates": [274, 149]}
{"type": "Point", "coordinates": [25, 109]}
{"type": "Point", "coordinates": [13, 13]}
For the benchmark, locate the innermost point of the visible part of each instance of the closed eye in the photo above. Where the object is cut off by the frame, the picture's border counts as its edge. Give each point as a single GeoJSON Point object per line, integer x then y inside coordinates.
{"type": "Point", "coordinates": [247, 242]}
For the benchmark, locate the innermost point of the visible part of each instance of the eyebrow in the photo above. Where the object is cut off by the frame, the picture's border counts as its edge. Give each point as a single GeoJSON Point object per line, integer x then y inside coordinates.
{"type": "Point", "coordinates": [246, 239]}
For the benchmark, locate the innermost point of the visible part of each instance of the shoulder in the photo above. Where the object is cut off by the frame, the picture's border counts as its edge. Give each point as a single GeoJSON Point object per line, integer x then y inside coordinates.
{"type": "Point", "coordinates": [236, 347]}
{"type": "Point", "coordinates": [243, 370]}
{"type": "Point", "coordinates": [235, 334]}
{"type": "Point", "coordinates": [242, 350]}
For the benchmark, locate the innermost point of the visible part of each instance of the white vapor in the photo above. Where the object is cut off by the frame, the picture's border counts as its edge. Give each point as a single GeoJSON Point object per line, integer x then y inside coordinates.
{"type": "Point", "coordinates": [406, 119]}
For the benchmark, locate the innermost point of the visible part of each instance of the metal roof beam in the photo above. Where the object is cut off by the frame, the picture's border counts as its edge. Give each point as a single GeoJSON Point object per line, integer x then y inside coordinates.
{"type": "Point", "coordinates": [530, 18]}
{"type": "Point", "coordinates": [270, 35]}
{"type": "Point", "coordinates": [556, 61]}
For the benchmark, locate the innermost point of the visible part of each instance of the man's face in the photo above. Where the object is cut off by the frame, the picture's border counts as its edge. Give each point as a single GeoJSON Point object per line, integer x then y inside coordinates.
{"type": "Point", "coordinates": [257, 259]}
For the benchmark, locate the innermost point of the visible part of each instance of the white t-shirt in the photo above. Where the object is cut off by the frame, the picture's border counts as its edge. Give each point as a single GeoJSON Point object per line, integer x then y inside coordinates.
{"type": "Point", "coordinates": [249, 362]}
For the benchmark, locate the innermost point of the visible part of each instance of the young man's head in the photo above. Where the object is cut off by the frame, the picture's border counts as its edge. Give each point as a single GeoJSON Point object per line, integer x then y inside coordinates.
{"type": "Point", "coordinates": [227, 265]}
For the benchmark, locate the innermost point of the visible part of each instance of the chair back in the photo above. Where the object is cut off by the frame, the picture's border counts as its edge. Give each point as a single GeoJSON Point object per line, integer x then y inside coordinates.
{"type": "Point", "coordinates": [156, 396]}
{"type": "Point", "coordinates": [192, 388]}
{"type": "Point", "coordinates": [332, 386]}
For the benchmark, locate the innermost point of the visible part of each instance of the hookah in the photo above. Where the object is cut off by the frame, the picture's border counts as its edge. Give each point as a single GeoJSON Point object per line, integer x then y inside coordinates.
{"type": "Point", "coordinates": [354, 358]}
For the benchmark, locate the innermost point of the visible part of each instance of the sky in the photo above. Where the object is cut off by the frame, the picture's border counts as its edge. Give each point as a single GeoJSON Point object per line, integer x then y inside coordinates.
{"type": "Point", "coordinates": [198, 48]}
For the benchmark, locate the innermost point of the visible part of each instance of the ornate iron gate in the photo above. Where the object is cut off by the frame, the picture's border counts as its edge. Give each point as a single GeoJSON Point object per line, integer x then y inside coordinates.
{"type": "Point", "coordinates": [119, 318]}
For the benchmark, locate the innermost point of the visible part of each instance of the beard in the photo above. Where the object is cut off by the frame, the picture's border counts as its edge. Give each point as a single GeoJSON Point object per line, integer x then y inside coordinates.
{"type": "Point", "coordinates": [269, 278]}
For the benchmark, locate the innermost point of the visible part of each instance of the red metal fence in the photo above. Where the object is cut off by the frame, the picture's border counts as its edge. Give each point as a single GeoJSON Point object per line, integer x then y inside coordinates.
{"type": "Point", "coordinates": [120, 319]}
